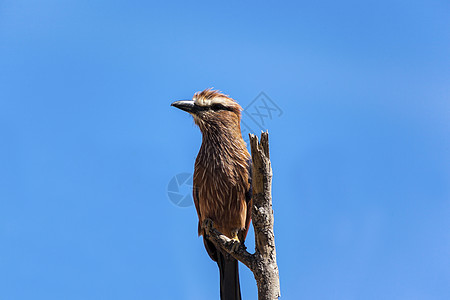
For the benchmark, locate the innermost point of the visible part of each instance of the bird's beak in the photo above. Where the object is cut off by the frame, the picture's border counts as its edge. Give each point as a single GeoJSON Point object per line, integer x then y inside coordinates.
{"type": "Point", "coordinates": [186, 105]}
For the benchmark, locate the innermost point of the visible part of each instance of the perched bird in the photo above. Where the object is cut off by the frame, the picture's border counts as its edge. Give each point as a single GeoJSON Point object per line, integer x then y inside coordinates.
{"type": "Point", "coordinates": [222, 178]}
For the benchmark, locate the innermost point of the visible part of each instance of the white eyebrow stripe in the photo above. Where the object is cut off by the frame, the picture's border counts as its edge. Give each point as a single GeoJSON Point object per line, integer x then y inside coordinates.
{"type": "Point", "coordinates": [208, 102]}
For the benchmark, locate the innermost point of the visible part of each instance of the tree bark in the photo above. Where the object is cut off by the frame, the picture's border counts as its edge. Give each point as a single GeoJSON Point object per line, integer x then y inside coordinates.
{"type": "Point", "coordinates": [263, 262]}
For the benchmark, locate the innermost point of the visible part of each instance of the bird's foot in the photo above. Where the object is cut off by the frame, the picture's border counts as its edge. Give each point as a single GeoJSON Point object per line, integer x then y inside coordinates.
{"type": "Point", "coordinates": [235, 245]}
{"type": "Point", "coordinates": [234, 237]}
{"type": "Point", "coordinates": [235, 241]}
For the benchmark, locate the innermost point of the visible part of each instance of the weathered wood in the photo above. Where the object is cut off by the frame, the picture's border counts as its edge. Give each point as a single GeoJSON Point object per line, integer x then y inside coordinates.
{"type": "Point", "coordinates": [263, 262]}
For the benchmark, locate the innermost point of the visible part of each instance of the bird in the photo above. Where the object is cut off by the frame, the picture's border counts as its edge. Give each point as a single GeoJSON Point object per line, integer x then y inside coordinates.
{"type": "Point", "coordinates": [222, 187]}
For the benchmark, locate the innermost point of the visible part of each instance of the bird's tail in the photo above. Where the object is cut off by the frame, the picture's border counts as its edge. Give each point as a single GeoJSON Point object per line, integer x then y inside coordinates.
{"type": "Point", "coordinates": [229, 277]}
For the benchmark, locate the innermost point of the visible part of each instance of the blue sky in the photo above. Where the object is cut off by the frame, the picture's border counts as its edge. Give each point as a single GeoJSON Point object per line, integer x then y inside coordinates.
{"type": "Point", "coordinates": [89, 144]}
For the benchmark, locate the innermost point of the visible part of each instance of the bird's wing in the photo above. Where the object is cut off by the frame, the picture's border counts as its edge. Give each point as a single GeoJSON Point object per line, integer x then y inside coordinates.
{"type": "Point", "coordinates": [248, 200]}
{"type": "Point", "coordinates": [195, 196]}
{"type": "Point", "coordinates": [210, 248]}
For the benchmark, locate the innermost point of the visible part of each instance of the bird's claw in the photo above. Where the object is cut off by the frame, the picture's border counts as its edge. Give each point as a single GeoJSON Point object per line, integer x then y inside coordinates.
{"type": "Point", "coordinates": [235, 241]}
{"type": "Point", "coordinates": [235, 245]}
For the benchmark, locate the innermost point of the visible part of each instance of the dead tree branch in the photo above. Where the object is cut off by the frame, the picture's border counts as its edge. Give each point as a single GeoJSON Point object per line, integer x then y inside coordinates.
{"type": "Point", "coordinates": [263, 262]}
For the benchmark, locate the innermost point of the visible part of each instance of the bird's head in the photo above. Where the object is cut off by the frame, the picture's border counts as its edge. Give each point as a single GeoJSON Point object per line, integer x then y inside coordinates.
{"type": "Point", "coordinates": [212, 109]}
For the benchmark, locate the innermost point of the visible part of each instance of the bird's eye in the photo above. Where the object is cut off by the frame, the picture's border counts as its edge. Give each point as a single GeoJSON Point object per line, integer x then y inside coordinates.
{"type": "Point", "coordinates": [217, 106]}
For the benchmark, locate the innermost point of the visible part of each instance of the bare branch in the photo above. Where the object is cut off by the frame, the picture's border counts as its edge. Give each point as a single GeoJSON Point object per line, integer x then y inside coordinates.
{"type": "Point", "coordinates": [234, 248]}
{"type": "Point", "coordinates": [266, 270]}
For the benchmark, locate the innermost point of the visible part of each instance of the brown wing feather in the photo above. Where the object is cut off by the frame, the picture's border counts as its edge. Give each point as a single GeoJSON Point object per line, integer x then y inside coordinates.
{"type": "Point", "coordinates": [248, 199]}
{"type": "Point", "coordinates": [197, 208]}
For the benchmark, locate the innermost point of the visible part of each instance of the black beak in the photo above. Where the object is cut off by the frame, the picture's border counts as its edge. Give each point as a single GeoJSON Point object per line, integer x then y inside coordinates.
{"type": "Point", "coordinates": [186, 105]}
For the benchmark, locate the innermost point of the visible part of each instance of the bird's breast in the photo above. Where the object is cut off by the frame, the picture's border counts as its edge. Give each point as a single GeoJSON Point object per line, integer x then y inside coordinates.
{"type": "Point", "coordinates": [221, 196]}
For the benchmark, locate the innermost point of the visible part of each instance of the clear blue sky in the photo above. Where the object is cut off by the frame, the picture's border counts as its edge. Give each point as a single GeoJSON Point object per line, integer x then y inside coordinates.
{"type": "Point", "coordinates": [89, 144]}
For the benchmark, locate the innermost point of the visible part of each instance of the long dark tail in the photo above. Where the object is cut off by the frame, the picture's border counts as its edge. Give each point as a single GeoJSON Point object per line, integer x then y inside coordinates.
{"type": "Point", "coordinates": [229, 277]}
{"type": "Point", "coordinates": [229, 272]}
